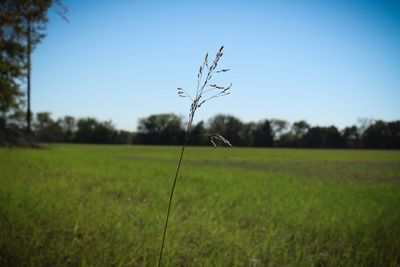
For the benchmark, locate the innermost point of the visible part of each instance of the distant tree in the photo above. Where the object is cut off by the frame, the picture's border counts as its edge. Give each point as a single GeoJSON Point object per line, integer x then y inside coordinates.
{"type": "Point", "coordinates": [247, 133]}
{"type": "Point", "coordinates": [313, 138]}
{"type": "Point", "coordinates": [122, 137]}
{"type": "Point", "coordinates": [160, 129]}
{"type": "Point", "coordinates": [68, 124]}
{"type": "Point", "coordinates": [263, 134]}
{"type": "Point", "coordinates": [228, 126]}
{"type": "Point", "coordinates": [89, 130]}
{"type": "Point", "coordinates": [287, 140]}
{"type": "Point", "coordinates": [278, 126]}
{"type": "Point", "coordinates": [299, 129]}
{"type": "Point", "coordinates": [104, 133]}
{"type": "Point", "coordinates": [351, 137]}
{"type": "Point", "coordinates": [322, 137]}
{"type": "Point", "coordinates": [377, 135]}
{"type": "Point", "coordinates": [394, 128]}
{"type": "Point", "coordinates": [85, 130]}
{"type": "Point", "coordinates": [198, 135]}
{"type": "Point", "coordinates": [363, 124]}
{"type": "Point", "coordinates": [46, 129]}
{"type": "Point", "coordinates": [332, 137]}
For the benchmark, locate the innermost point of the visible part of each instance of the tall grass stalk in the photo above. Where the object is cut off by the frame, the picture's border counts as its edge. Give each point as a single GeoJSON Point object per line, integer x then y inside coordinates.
{"type": "Point", "coordinates": [205, 91]}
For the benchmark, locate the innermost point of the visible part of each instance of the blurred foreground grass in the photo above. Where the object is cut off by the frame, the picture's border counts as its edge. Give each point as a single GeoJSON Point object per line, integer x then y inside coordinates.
{"type": "Point", "coordinates": [83, 205]}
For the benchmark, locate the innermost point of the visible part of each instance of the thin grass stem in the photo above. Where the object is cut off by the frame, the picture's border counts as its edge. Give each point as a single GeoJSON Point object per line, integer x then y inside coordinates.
{"type": "Point", "coordinates": [170, 202]}
{"type": "Point", "coordinates": [196, 103]}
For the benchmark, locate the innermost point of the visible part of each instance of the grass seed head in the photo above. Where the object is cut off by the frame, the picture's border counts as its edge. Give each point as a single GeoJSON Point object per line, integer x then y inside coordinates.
{"type": "Point", "coordinates": [206, 91]}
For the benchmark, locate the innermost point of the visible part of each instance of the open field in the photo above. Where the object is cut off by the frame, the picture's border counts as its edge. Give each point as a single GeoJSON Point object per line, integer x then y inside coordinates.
{"type": "Point", "coordinates": [105, 206]}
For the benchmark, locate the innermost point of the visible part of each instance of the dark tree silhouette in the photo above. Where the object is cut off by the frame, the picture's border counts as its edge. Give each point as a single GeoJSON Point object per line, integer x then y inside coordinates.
{"type": "Point", "coordinates": [322, 137]}
{"type": "Point", "coordinates": [351, 137]}
{"type": "Point", "coordinates": [68, 124]}
{"type": "Point", "coordinates": [228, 126]}
{"type": "Point", "coordinates": [46, 129]}
{"type": "Point", "coordinates": [263, 134]}
{"type": "Point", "coordinates": [377, 135]}
{"type": "Point", "coordinates": [394, 128]}
{"type": "Point", "coordinates": [299, 129]}
{"type": "Point", "coordinates": [160, 129]}
{"type": "Point", "coordinates": [277, 126]}
{"type": "Point", "coordinates": [89, 130]}
{"type": "Point", "coordinates": [198, 135]}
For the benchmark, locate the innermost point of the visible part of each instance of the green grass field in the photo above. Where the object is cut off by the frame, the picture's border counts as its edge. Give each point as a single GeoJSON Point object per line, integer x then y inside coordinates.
{"type": "Point", "coordinates": [82, 205]}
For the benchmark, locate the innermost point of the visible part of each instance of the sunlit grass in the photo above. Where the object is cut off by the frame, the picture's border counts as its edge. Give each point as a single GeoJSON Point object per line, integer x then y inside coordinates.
{"type": "Point", "coordinates": [105, 205]}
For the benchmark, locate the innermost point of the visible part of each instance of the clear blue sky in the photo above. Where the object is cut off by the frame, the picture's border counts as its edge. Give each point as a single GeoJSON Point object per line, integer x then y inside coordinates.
{"type": "Point", "coordinates": [328, 62]}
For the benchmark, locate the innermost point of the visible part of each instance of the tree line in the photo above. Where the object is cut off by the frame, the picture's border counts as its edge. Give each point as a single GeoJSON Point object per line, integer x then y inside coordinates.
{"type": "Point", "coordinates": [67, 129]}
{"type": "Point", "coordinates": [168, 129]}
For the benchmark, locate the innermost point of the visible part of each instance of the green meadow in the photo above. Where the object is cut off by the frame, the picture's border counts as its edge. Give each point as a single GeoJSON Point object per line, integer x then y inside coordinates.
{"type": "Point", "coordinates": [88, 205]}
